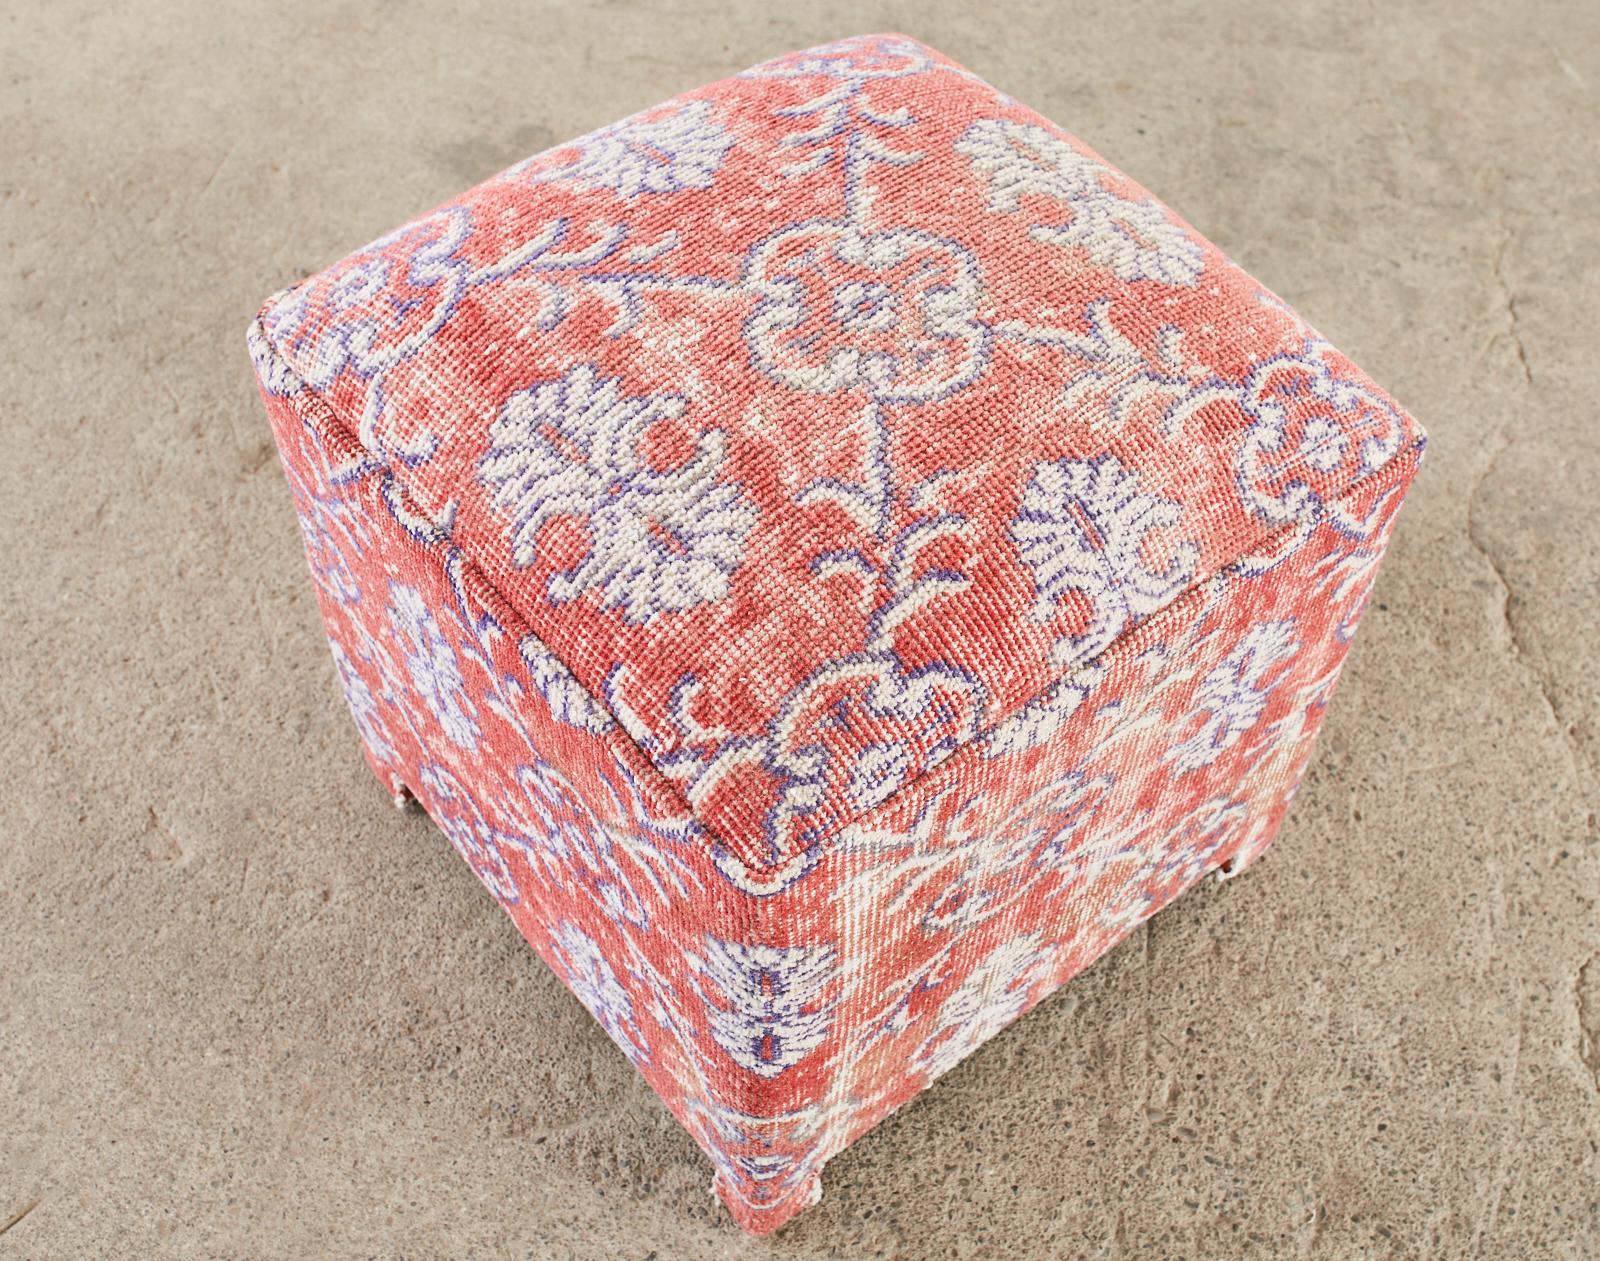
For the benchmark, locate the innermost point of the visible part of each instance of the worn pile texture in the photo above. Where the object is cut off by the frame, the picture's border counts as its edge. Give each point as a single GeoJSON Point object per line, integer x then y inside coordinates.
{"type": "Point", "coordinates": [246, 1008]}
{"type": "Point", "coordinates": [834, 556]}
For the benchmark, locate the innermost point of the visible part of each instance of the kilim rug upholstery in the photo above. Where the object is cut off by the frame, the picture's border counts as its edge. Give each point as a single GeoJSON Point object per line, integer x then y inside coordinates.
{"type": "Point", "coordinates": [833, 555]}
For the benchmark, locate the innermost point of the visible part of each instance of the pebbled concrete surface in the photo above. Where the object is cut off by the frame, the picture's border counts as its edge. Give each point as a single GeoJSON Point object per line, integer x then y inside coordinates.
{"type": "Point", "coordinates": [248, 1011]}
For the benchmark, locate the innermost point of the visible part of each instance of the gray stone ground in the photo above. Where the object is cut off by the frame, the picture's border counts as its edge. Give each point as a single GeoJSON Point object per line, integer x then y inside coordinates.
{"type": "Point", "coordinates": [246, 1010]}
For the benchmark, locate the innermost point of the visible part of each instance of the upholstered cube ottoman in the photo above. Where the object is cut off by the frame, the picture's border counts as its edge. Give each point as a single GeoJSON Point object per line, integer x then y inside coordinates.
{"type": "Point", "coordinates": [833, 555]}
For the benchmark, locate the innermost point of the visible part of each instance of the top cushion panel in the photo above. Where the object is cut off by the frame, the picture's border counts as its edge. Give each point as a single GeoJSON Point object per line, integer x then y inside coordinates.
{"type": "Point", "coordinates": [820, 419]}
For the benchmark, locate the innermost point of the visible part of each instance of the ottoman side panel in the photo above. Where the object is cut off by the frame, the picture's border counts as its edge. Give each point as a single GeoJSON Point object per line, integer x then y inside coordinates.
{"type": "Point", "coordinates": [928, 926]}
{"type": "Point", "coordinates": [542, 795]}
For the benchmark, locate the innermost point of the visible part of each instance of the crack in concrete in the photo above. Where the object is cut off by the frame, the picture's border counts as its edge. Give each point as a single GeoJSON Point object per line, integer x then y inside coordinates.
{"type": "Point", "coordinates": [1503, 438]}
{"type": "Point", "coordinates": [1588, 1022]}
{"type": "Point", "coordinates": [17, 1217]}
{"type": "Point", "coordinates": [1587, 1049]}
{"type": "Point", "coordinates": [1510, 297]}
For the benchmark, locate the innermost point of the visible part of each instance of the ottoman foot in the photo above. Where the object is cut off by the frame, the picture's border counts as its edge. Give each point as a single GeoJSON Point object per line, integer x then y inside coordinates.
{"type": "Point", "coordinates": [761, 1217]}
{"type": "Point", "coordinates": [389, 779]}
{"type": "Point", "coordinates": [1233, 867]}
{"type": "Point", "coordinates": [1256, 842]}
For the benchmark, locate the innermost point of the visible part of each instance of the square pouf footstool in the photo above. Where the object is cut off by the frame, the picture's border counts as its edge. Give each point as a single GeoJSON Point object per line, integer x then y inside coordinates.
{"type": "Point", "coordinates": [833, 555]}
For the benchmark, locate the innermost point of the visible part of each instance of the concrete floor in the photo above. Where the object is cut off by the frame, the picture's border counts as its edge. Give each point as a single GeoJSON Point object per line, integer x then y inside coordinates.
{"type": "Point", "coordinates": [246, 1010]}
